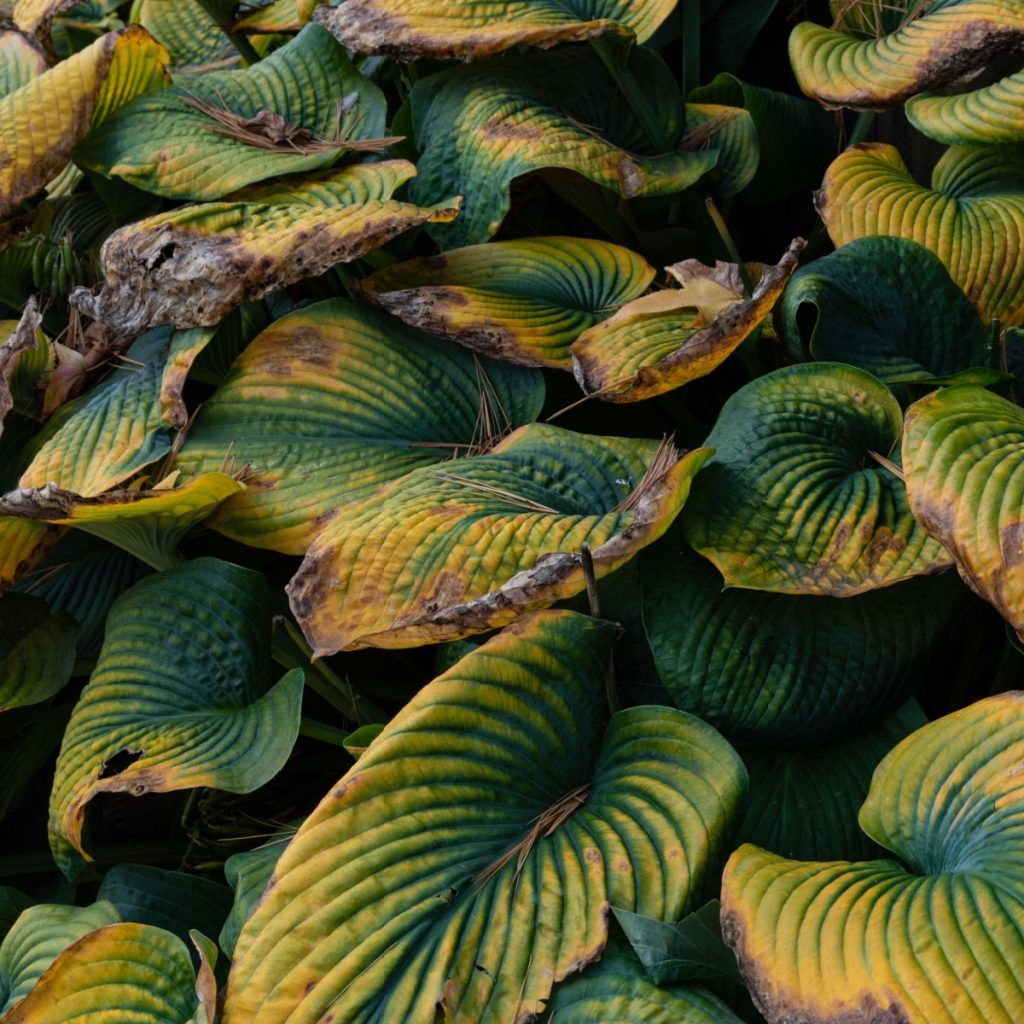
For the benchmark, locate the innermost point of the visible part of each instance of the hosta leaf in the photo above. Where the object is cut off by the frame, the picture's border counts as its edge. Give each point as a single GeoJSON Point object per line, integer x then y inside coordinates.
{"type": "Point", "coordinates": [173, 900]}
{"type": "Point", "coordinates": [43, 121]}
{"type": "Point", "coordinates": [21, 60]}
{"type": "Point", "coordinates": [23, 544]}
{"type": "Point", "coordinates": [23, 343]}
{"type": "Point", "coordinates": [455, 784]}
{"type": "Point", "coordinates": [334, 401]}
{"type": "Point", "coordinates": [480, 127]}
{"type": "Point", "coordinates": [804, 800]}
{"type": "Point", "coordinates": [794, 502]}
{"type": "Point", "coordinates": [37, 651]}
{"type": "Point", "coordinates": [164, 144]}
{"type": "Point", "coordinates": [37, 938]}
{"type": "Point", "coordinates": [470, 29]}
{"type": "Point", "coordinates": [12, 903]}
{"type": "Point", "coordinates": [661, 341]}
{"type": "Point", "coordinates": [617, 990]}
{"type": "Point", "coordinates": [972, 217]}
{"type": "Point", "coordinates": [100, 440]}
{"type": "Point", "coordinates": [278, 16]}
{"type": "Point", "coordinates": [984, 117]}
{"type": "Point", "coordinates": [953, 41]}
{"type": "Point", "coordinates": [886, 305]}
{"type": "Point", "coordinates": [142, 725]}
{"type": "Point", "coordinates": [785, 668]}
{"type": "Point", "coordinates": [35, 16]}
{"type": "Point", "coordinates": [148, 524]}
{"type": "Point", "coordinates": [449, 551]}
{"type": "Point", "coordinates": [796, 139]}
{"type": "Point", "coordinates": [732, 133]}
{"type": "Point", "coordinates": [193, 265]}
{"type": "Point", "coordinates": [124, 972]}
{"type": "Point", "coordinates": [936, 942]}
{"type": "Point", "coordinates": [192, 37]}
{"type": "Point", "coordinates": [524, 300]}
{"type": "Point", "coordinates": [248, 873]}
{"type": "Point", "coordinates": [963, 452]}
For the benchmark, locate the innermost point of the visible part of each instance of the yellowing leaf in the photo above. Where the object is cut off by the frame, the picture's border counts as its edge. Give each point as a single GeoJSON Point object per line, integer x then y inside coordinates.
{"type": "Point", "coordinates": [181, 697]}
{"type": "Point", "coordinates": [449, 551]}
{"type": "Point", "coordinates": [524, 300]}
{"type": "Point", "coordinates": [19, 337]}
{"type": "Point", "coordinates": [21, 60]}
{"type": "Point", "coordinates": [972, 217]}
{"type": "Point", "coordinates": [23, 544]}
{"type": "Point", "coordinates": [468, 29]}
{"type": "Point", "coordinates": [664, 340]}
{"type": "Point", "coordinates": [278, 16]}
{"type": "Point", "coordinates": [192, 37]}
{"type": "Point", "coordinates": [524, 817]}
{"type": "Point", "coordinates": [935, 942]}
{"type": "Point", "coordinates": [193, 265]}
{"type": "Point", "coordinates": [35, 16]}
{"type": "Point", "coordinates": [42, 122]}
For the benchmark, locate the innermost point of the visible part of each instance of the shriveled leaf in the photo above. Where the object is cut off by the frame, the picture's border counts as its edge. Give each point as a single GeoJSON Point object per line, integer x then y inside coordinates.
{"type": "Point", "coordinates": [935, 942]}
{"type": "Point", "coordinates": [333, 402]}
{"type": "Point", "coordinates": [524, 300]}
{"type": "Point", "coordinates": [963, 452]}
{"type": "Point", "coordinates": [784, 668]}
{"type": "Point", "coordinates": [661, 341]}
{"type": "Point", "coordinates": [480, 127]}
{"type": "Point", "coordinates": [37, 651]}
{"type": "Point", "coordinates": [949, 42]}
{"type": "Point", "coordinates": [128, 972]}
{"type": "Point", "coordinates": [972, 217]}
{"type": "Point", "coordinates": [37, 938]}
{"type": "Point", "coordinates": [471, 29]}
{"type": "Point", "coordinates": [217, 132]}
{"type": "Point", "coordinates": [794, 502]}
{"type": "Point", "coordinates": [143, 725]}
{"type": "Point", "coordinates": [804, 800]}
{"type": "Point", "coordinates": [886, 305]}
{"type": "Point", "coordinates": [173, 900]}
{"type": "Point", "coordinates": [526, 819]}
{"type": "Point", "coordinates": [148, 524]}
{"type": "Point", "coordinates": [42, 122]}
{"type": "Point", "coordinates": [617, 989]}
{"type": "Point", "coordinates": [192, 37]}
{"type": "Point", "coordinates": [21, 60]}
{"type": "Point", "coordinates": [125, 423]}
{"type": "Point", "coordinates": [465, 547]}
{"type": "Point", "coordinates": [193, 265]}
{"type": "Point", "coordinates": [989, 116]}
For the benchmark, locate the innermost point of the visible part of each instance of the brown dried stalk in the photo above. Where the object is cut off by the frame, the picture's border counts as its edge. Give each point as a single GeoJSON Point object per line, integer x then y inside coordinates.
{"type": "Point", "coordinates": [496, 492]}
{"type": "Point", "coordinates": [665, 457]}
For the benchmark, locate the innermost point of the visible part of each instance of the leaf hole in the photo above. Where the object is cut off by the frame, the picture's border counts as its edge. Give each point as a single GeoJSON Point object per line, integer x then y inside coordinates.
{"type": "Point", "coordinates": [117, 763]}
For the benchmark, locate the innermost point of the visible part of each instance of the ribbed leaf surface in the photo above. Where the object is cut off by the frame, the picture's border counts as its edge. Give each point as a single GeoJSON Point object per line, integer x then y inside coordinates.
{"type": "Point", "coordinates": [37, 651]}
{"type": "Point", "coordinates": [794, 502]}
{"type": "Point", "coordinates": [784, 668]}
{"type": "Point", "coordinates": [940, 941]}
{"type": "Point", "coordinates": [449, 551]}
{"type": "Point", "coordinates": [886, 305]}
{"type": "Point", "coordinates": [334, 401]}
{"type": "Point", "coordinates": [480, 127]}
{"type": "Point", "coordinates": [181, 697]}
{"type": "Point", "coordinates": [525, 301]}
{"type": "Point", "coordinates": [21, 60]}
{"type": "Point", "coordinates": [470, 29]}
{"type": "Point", "coordinates": [164, 144]}
{"type": "Point", "coordinates": [278, 16]}
{"type": "Point", "coordinates": [972, 217]}
{"type": "Point", "coordinates": [378, 910]}
{"type": "Point", "coordinates": [963, 452]}
{"type": "Point", "coordinates": [661, 341]}
{"type": "Point", "coordinates": [951, 42]}
{"type": "Point", "coordinates": [989, 116]}
{"type": "Point", "coordinates": [193, 39]}
{"type": "Point", "coordinates": [193, 265]}
{"type": "Point", "coordinates": [43, 121]}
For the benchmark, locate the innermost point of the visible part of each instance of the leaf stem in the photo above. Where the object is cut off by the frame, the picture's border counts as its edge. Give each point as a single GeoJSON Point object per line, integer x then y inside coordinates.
{"type": "Point", "coordinates": [638, 103]}
{"type": "Point", "coordinates": [730, 245]}
{"type": "Point", "coordinates": [861, 127]}
{"type": "Point", "coordinates": [320, 731]}
{"type": "Point", "coordinates": [238, 40]}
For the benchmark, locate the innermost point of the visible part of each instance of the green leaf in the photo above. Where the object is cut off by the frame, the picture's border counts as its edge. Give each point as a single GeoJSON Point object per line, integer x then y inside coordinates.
{"type": "Point", "coordinates": [334, 401]}
{"type": "Point", "coordinates": [21, 60]}
{"type": "Point", "coordinates": [982, 117]}
{"type": "Point", "coordinates": [37, 651]}
{"type": "Point", "coordinates": [480, 127]}
{"type": "Point", "coordinates": [503, 759]}
{"type": "Point", "coordinates": [12, 903]}
{"type": "Point", "coordinates": [887, 305]}
{"type": "Point", "coordinates": [37, 938]}
{"type": "Point", "coordinates": [449, 551]}
{"type": "Point", "coordinates": [788, 669]}
{"type": "Point", "coordinates": [794, 502]}
{"type": "Point", "coordinates": [358, 742]}
{"type": "Point", "coordinates": [691, 950]}
{"type": "Point", "coordinates": [164, 144]}
{"type": "Point", "coordinates": [25, 750]}
{"type": "Point", "coordinates": [192, 37]}
{"type": "Point", "coordinates": [937, 941]}
{"type": "Point", "coordinates": [142, 725]}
